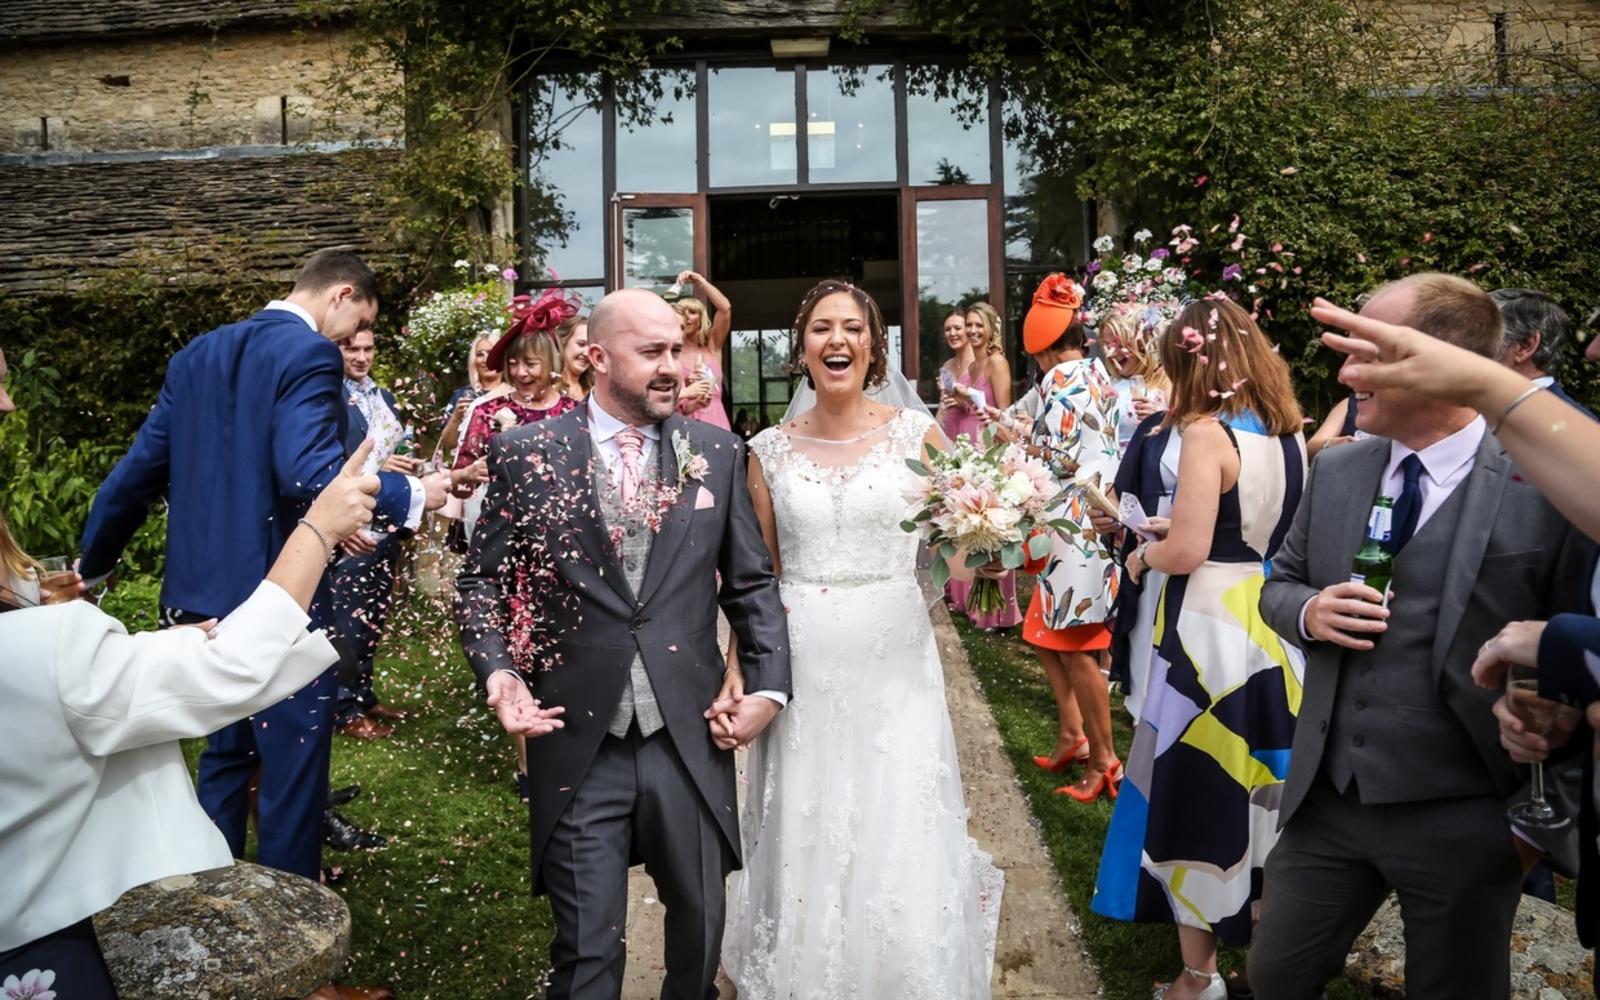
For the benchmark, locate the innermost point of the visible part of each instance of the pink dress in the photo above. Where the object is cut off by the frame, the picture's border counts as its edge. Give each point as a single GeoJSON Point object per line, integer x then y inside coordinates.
{"type": "Point", "coordinates": [713, 413]}
{"type": "Point", "coordinates": [955, 422]}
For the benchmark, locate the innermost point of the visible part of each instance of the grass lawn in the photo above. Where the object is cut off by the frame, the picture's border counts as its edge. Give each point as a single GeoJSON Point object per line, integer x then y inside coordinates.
{"type": "Point", "coordinates": [1129, 957]}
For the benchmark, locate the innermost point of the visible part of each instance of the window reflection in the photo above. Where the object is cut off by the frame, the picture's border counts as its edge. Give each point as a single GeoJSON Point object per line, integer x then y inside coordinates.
{"type": "Point", "coordinates": [947, 127]}
{"type": "Point", "coordinates": [1046, 222]}
{"type": "Point", "coordinates": [752, 128]}
{"type": "Point", "coordinates": [850, 124]}
{"type": "Point", "coordinates": [657, 246]}
{"type": "Point", "coordinates": [952, 270]}
{"type": "Point", "coordinates": [566, 206]}
{"type": "Point", "coordinates": [656, 132]}
{"type": "Point", "coordinates": [759, 379]}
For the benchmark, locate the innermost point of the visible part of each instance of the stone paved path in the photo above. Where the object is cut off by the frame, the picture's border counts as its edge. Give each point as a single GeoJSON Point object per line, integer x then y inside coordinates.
{"type": "Point", "coordinates": [1038, 956]}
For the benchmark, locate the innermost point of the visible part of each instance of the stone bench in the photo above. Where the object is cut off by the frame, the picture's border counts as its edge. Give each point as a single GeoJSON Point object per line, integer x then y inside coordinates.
{"type": "Point", "coordinates": [1547, 962]}
{"type": "Point", "coordinates": [244, 932]}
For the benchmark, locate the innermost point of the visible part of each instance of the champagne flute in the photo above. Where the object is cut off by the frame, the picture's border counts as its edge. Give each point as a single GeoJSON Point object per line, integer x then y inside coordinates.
{"type": "Point", "coordinates": [1540, 716]}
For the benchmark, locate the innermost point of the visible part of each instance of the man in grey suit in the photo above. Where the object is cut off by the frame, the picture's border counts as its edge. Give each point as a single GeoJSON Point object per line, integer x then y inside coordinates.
{"type": "Point", "coordinates": [1397, 779]}
{"type": "Point", "coordinates": [595, 570]}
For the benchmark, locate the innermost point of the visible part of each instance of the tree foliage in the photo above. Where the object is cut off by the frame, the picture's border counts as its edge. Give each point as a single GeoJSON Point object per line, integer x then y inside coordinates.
{"type": "Point", "coordinates": [1331, 127]}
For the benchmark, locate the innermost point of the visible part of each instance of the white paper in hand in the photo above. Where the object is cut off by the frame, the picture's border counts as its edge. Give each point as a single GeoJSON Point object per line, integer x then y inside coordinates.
{"type": "Point", "coordinates": [979, 401]}
{"type": "Point", "coordinates": [1131, 513]}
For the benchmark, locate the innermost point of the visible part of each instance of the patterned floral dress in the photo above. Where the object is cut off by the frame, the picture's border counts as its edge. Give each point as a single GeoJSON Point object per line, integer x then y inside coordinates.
{"type": "Point", "coordinates": [1198, 809]}
{"type": "Point", "coordinates": [1077, 428]}
{"type": "Point", "coordinates": [502, 414]}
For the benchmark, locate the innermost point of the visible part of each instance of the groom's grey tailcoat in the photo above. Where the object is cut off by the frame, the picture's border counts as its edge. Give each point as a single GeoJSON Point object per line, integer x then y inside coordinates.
{"type": "Point", "coordinates": [1512, 558]}
{"type": "Point", "coordinates": [542, 516]}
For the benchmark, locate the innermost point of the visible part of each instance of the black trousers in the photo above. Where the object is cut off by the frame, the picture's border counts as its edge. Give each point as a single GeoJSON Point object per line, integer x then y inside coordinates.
{"type": "Point", "coordinates": [1451, 862]}
{"type": "Point", "coordinates": [69, 962]}
{"type": "Point", "coordinates": [637, 801]}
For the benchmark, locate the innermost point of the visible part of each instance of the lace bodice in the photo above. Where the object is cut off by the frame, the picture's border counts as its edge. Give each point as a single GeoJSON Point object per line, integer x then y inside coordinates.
{"type": "Point", "coordinates": [839, 504]}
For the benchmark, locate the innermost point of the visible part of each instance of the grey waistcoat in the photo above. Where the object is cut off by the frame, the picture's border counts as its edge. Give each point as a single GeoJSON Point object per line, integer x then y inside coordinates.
{"type": "Point", "coordinates": [1391, 731]}
{"type": "Point", "coordinates": [638, 697]}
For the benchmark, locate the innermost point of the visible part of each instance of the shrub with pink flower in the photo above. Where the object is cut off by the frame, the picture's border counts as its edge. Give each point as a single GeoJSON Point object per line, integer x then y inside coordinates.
{"type": "Point", "coordinates": [984, 502]}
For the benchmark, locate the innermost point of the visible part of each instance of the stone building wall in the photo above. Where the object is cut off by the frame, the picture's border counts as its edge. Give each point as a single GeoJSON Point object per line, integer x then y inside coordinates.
{"type": "Point", "coordinates": [1499, 41]}
{"type": "Point", "coordinates": [235, 88]}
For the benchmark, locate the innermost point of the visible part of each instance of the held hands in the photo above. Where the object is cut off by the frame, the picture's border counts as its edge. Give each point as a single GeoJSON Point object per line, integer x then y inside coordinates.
{"type": "Point", "coordinates": [1345, 612]}
{"type": "Point", "coordinates": [736, 718]}
{"type": "Point", "coordinates": [517, 709]}
{"type": "Point", "coordinates": [362, 543]}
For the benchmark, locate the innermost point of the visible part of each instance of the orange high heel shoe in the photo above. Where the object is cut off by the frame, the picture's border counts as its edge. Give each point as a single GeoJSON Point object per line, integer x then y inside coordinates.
{"type": "Point", "coordinates": [1079, 754]}
{"type": "Point", "coordinates": [1107, 783]}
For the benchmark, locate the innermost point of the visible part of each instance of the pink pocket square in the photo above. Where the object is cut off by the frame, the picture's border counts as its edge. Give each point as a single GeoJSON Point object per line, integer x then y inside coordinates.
{"type": "Point", "coordinates": [703, 500]}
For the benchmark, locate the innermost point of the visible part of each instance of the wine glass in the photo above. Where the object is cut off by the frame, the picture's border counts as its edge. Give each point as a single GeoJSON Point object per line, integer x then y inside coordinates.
{"type": "Point", "coordinates": [57, 576]}
{"type": "Point", "coordinates": [1540, 716]}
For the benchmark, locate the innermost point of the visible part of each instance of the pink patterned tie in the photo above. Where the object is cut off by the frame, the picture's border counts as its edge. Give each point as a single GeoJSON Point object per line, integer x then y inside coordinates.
{"type": "Point", "coordinates": [631, 443]}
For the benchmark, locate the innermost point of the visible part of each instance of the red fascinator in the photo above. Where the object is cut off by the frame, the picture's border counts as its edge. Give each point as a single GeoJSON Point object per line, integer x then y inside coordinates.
{"type": "Point", "coordinates": [530, 317]}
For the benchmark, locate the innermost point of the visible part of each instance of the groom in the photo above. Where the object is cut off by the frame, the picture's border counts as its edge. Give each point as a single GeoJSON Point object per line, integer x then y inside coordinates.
{"type": "Point", "coordinates": [595, 568]}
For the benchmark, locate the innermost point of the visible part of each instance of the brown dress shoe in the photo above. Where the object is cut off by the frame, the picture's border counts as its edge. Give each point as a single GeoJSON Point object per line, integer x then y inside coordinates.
{"type": "Point", "coordinates": [363, 728]}
{"type": "Point", "coordinates": [333, 991]}
{"type": "Point", "coordinates": [385, 712]}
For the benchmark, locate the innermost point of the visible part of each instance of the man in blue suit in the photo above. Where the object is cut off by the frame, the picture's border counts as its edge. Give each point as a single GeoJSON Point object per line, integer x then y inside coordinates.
{"type": "Point", "coordinates": [249, 426]}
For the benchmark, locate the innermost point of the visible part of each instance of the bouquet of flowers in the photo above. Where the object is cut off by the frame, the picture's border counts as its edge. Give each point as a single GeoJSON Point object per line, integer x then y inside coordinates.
{"type": "Point", "coordinates": [990, 501]}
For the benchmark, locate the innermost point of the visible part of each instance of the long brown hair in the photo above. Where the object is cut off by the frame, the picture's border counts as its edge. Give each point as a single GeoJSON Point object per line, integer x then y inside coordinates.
{"type": "Point", "coordinates": [1220, 363]}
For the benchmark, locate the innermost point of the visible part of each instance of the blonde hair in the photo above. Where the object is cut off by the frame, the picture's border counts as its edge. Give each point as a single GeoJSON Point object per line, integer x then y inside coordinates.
{"type": "Point", "coordinates": [993, 335]}
{"type": "Point", "coordinates": [1221, 363]}
{"type": "Point", "coordinates": [13, 561]}
{"type": "Point", "coordinates": [705, 315]}
{"type": "Point", "coordinates": [473, 378]}
{"type": "Point", "coordinates": [1141, 340]}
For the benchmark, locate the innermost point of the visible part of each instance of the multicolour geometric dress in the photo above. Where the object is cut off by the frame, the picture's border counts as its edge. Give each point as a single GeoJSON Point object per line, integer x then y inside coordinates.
{"type": "Point", "coordinates": [1198, 808]}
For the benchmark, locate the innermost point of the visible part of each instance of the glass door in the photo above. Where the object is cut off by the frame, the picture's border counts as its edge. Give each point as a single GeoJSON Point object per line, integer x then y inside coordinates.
{"type": "Point", "coordinates": [655, 237]}
{"type": "Point", "coordinates": [948, 249]}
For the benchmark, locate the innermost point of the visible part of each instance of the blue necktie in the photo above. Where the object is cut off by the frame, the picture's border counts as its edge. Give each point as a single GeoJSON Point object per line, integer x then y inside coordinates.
{"type": "Point", "coordinates": [1409, 507]}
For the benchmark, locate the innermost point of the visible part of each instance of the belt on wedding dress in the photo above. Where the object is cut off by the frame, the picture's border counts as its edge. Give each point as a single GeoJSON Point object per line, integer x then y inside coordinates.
{"type": "Point", "coordinates": [845, 580]}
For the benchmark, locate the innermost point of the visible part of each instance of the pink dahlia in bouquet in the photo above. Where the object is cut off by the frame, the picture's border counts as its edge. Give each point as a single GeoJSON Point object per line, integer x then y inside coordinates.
{"type": "Point", "coordinates": [985, 503]}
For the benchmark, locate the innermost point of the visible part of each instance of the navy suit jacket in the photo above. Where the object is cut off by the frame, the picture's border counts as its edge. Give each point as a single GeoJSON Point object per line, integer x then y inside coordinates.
{"type": "Point", "coordinates": [249, 427]}
{"type": "Point", "coordinates": [1140, 475]}
{"type": "Point", "coordinates": [1560, 393]}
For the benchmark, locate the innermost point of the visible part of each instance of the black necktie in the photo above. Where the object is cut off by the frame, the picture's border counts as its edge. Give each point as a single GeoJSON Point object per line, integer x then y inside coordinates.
{"type": "Point", "coordinates": [1409, 507]}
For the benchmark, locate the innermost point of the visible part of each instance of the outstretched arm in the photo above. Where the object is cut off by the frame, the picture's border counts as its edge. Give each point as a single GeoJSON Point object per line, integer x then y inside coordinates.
{"type": "Point", "coordinates": [123, 501]}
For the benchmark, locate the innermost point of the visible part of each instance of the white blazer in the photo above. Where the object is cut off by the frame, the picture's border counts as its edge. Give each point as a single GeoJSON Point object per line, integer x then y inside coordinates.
{"type": "Point", "coordinates": [95, 797]}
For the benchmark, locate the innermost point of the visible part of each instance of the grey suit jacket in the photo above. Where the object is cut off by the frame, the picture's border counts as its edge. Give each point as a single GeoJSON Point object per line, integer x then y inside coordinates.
{"type": "Point", "coordinates": [1514, 558]}
{"type": "Point", "coordinates": [541, 544]}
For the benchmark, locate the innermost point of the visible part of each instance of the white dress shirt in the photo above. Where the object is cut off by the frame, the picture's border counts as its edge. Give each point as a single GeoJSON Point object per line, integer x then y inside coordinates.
{"type": "Point", "coordinates": [419, 496]}
{"type": "Point", "coordinates": [1446, 464]}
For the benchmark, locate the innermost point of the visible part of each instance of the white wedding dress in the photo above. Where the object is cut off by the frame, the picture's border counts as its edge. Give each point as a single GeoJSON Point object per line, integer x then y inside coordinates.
{"type": "Point", "coordinates": [859, 878]}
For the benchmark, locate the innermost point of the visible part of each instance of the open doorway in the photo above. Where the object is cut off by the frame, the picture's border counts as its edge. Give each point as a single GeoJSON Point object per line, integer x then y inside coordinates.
{"type": "Point", "coordinates": [767, 251]}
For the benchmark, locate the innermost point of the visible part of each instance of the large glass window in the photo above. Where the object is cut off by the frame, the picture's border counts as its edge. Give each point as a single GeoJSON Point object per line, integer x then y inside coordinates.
{"type": "Point", "coordinates": [850, 124]}
{"type": "Point", "coordinates": [952, 270]}
{"type": "Point", "coordinates": [657, 245]}
{"type": "Point", "coordinates": [1046, 223]}
{"type": "Point", "coordinates": [759, 361]}
{"type": "Point", "coordinates": [566, 204]}
{"type": "Point", "coordinates": [752, 128]}
{"type": "Point", "coordinates": [656, 132]}
{"type": "Point", "coordinates": [947, 129]}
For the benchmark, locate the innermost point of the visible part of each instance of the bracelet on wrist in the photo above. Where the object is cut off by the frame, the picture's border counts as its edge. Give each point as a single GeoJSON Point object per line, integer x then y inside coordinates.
{"type": "Point", "coordinates": [327, 546]}
{"type": "Point", "coordinates": [1505, 414]}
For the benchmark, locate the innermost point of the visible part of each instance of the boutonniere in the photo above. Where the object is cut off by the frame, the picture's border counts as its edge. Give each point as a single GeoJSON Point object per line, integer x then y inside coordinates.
{"type": "Point", "coordinates": [692, 466]}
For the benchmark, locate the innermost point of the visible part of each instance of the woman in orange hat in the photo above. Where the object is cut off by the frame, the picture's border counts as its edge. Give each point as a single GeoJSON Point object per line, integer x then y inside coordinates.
{"type": "Point", "coordinates": [1076, 412]}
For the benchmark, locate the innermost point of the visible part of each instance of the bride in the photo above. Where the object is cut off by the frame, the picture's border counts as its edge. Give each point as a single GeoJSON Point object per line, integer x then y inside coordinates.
{"type": "Point", "coordinates": [859, 878]}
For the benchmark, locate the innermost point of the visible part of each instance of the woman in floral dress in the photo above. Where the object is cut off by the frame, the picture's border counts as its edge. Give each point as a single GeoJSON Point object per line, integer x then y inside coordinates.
{"type": "Point", "coordinates": [1075, 430]}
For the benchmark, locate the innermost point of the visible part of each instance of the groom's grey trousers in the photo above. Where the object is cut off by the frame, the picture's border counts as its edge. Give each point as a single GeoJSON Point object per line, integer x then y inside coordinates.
{"type": "Point", "coordinates": [636, 794]}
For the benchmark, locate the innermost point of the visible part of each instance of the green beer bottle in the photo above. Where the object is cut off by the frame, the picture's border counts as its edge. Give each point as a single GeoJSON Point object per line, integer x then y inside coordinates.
{"type": "Point", "coordinates": [1374, 565]}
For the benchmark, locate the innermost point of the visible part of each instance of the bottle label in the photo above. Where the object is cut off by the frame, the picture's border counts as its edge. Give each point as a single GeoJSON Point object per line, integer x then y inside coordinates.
{"type": "Point", "coordinates": [1380, 524]}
